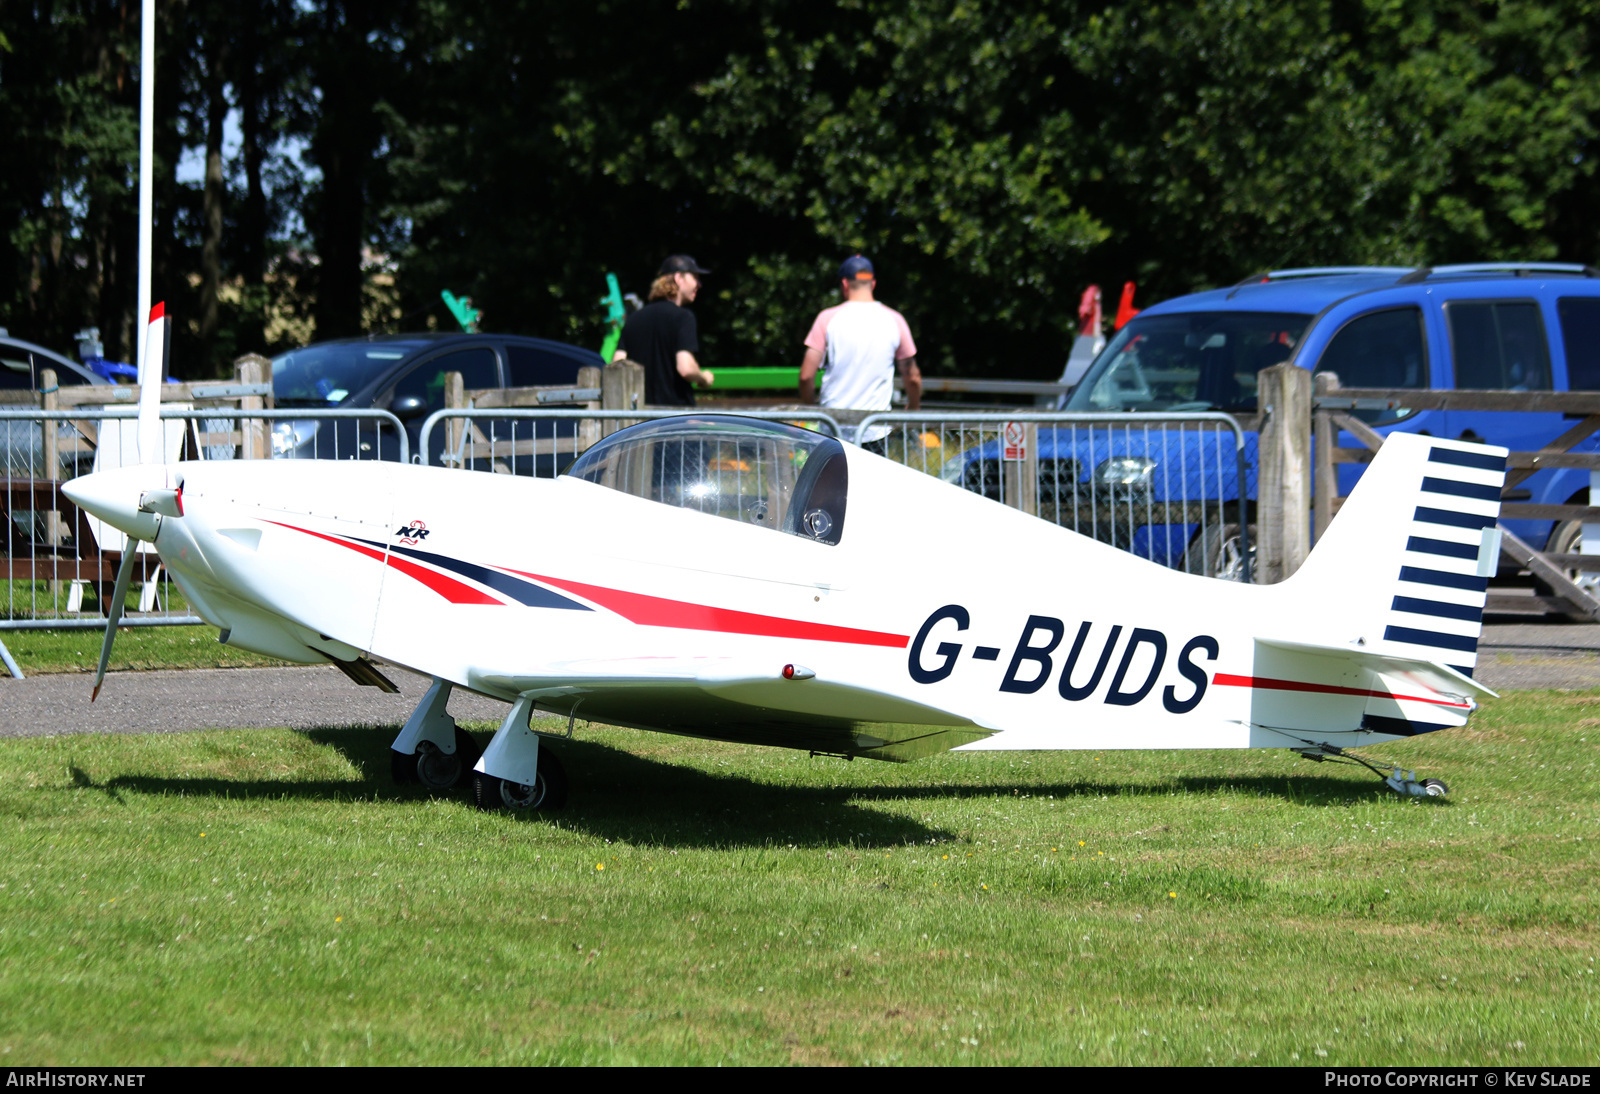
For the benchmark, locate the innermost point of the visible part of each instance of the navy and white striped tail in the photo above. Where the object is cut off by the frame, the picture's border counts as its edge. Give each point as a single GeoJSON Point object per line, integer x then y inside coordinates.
{"type": "Point", "coordinates": [1451, 552]}
{"type": "Point", "coordinates": [1404, 569]}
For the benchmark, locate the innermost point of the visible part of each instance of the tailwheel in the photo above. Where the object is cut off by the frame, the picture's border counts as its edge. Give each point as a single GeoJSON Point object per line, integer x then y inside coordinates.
{"type": "Point", "coordinates": [1402, 782]}
{"type": "Point", "coordinates": [433, 767]}
{"type": "Point", "coordinates": [548, 791]}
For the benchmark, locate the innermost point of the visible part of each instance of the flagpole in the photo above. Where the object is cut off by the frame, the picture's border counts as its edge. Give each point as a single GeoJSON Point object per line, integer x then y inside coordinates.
{"type": "Point", "coordinates": [147, 140]}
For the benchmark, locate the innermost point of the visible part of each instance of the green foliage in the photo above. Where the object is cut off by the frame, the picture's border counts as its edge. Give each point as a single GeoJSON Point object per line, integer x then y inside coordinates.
{"type": "Point", "coordinates": [992, 159]}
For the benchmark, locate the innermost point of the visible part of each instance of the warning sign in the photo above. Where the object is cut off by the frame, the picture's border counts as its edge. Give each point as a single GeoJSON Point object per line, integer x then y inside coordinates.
{"type": "Point", "coordinates": [1014, 442]}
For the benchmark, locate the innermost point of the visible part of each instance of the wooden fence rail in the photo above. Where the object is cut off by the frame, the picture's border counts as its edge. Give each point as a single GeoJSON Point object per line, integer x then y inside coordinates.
{"type": "Point", "coordinates": [1333, 411]}
{"type": "Point", "coordinates": [617, 386]}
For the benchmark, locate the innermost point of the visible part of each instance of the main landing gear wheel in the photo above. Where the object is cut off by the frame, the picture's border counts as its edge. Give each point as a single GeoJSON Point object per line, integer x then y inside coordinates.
{"type": "Point", "coordinates": [549, 790]}
{"type": "Point", "coordinates": [434, 768]}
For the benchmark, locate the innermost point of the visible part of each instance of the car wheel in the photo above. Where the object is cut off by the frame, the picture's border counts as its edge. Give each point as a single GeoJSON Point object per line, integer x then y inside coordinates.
{"type": "Point", "coordinates": [1216, 551]}
{"type": "Point", "coordinates": [1567, 539]}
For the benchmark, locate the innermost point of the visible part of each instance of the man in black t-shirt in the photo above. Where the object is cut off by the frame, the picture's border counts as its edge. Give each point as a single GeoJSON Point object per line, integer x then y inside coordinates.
{"type": "Point", "coordinates": [662, 336]}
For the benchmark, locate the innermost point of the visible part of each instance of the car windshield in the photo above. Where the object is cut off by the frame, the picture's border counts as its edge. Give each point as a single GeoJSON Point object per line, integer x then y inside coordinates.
{"type": "Point", "coordinates": [326, 375]}
{"type": "Point", "coordinates": [1188, 361]}
{"type": "Point", "coordinates": [756, 472]}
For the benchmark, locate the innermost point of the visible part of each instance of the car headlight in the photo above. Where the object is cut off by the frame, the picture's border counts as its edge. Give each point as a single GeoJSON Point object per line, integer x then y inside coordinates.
{"type": "Point", "coordinates": [1125, 471]}
{"type": "Point", "coordinates": [288, 436]}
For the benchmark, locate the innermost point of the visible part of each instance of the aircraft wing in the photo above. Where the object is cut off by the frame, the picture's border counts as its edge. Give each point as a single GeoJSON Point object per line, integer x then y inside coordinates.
{"type": "Point", "coordinates": [735, 700]}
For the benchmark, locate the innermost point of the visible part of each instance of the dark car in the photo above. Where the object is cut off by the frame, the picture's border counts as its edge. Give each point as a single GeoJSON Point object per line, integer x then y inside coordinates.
{"type": "Point", "coordinates": [403, 374]}
{"type": "Point", "coordinates": [21, 364]}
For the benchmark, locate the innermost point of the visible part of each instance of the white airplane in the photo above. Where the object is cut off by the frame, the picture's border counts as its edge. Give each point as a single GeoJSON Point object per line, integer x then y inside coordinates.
{"type": "Point", "coordinates": [750, 581]}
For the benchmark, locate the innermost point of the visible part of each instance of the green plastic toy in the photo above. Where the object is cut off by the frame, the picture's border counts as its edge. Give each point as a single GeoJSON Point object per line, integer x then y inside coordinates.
{"type": "Point", "coordinates": [461, 307]}
{"type": "Point", "coordinates": [614, 317]}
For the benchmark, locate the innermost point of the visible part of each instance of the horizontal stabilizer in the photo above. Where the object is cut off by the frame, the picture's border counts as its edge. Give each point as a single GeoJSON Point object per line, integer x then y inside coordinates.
{"type": "Point", "coordinates": [1437, 676]}
{"type": "Point", "coordinates": [1318, 692]}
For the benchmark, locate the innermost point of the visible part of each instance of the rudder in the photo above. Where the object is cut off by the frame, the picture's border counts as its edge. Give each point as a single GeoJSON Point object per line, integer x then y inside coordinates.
{"type": "Point", "coordinates": [1405, 565]}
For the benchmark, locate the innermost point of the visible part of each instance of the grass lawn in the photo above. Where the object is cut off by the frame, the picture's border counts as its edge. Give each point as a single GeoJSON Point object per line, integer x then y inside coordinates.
{"type": "Point", "coordinates": [135, 648]}
{"type": "Point", "coordinates": [268, 897]}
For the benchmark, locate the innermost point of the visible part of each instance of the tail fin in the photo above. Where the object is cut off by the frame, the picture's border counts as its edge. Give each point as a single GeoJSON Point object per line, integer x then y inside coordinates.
{"type": "Point", "coordinates": [1403, 570]}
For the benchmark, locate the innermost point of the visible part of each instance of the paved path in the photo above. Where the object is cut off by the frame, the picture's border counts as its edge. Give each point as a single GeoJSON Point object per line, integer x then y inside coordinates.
{"type": "Point", "coordinates": [1512, 656]}
{"type": "Point", "coordinates": [1515, 656]}
{"type": "Point", "coordinates": [176, 701]}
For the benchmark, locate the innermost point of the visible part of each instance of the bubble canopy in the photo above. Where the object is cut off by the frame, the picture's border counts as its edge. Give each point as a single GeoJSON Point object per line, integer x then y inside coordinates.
{"type": "Point", "coordinates": [750, 470]}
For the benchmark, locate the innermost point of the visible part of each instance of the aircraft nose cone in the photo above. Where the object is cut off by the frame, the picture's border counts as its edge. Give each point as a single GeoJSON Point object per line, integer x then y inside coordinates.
{"type": "Point", "coordinates": [113, 496]}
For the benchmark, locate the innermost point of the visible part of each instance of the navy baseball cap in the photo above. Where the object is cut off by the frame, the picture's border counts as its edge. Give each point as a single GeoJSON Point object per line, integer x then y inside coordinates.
{"type": "Point", "coordinates": [856, 268]}
{"type": "Point", "coordinates": [680, 264]}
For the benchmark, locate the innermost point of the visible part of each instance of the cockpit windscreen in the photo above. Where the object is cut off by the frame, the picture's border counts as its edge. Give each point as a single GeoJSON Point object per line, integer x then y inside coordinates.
{"type": "Point", "coordinates": [750, 470]}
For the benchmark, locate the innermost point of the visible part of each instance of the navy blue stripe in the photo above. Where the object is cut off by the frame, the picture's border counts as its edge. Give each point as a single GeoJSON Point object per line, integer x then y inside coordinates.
{"type": "Point", "coordinates": [1480, 460]}
{"type": "Point", "coordinates": [1464, 670]}
{"type": "Point", "coordinates": [523, 592]}
{"type": "Point", "coordinates": [1431, 638]}
{"type": "Point", "coordinates": [1470, 582]}
{"type": "Point", "coordinates": [1442, 547]}
{"type": "Point", "coordinates": [1400, 727]}
{"type": "Point", "coordinates": [1452, 519]}
{"type": "Point", "coordinates": [1465, 612]}
{"type": "Point", "coordinates": [1461, 489]}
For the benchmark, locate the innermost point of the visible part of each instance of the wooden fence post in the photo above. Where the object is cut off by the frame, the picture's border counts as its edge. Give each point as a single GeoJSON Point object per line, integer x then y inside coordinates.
{"type": "Point", "coordinates": [50, 455]}
{"type": "Point", "coordinates": [253, 368]}
{"type": "Point", "coordinates": [1283, 508]}
{"type": "Point", "coordinates": [1326, 438]}
{"type": "Point", "coordinates": [455, 398]}
{"type": "Point", "coordinates": [1022, 487]}
{"type": "Point", "coordinates": [621, 388]}
{"type": "Point", "coordinates": [589, 428]}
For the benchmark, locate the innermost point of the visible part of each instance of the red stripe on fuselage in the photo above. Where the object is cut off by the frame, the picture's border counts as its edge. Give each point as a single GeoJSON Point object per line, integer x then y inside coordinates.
{"type": "Point", "coordinates": [1268, 684]}
{"type": "Point", "coordinates": [655, 611]}
{"type": "Point", "coordinates": [454, 591]}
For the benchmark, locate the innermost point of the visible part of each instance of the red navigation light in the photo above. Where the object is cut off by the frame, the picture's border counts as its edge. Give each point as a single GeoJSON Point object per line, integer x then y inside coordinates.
{"type": "Point", "coordinates": [788, 672]}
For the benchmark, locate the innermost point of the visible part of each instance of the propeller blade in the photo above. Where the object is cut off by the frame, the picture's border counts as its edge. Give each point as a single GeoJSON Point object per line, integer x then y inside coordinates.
{"type": "Point", "coordinates": [152, 373]}
{"type": "Point", "coordinates": [114, 611]}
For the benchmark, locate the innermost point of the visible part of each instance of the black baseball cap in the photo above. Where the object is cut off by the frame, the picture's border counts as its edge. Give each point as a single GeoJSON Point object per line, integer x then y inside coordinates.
{"type": "Point", "coordinates": [681, 264]}
{"type": "Point", "coordinates": [856, 268]}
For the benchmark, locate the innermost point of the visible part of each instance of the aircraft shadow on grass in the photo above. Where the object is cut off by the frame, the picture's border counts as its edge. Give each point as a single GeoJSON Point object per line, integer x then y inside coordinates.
{"type": "Point", "coordinates": [643, 801]}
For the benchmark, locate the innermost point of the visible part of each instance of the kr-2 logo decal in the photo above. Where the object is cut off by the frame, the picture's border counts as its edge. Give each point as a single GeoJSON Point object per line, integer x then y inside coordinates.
{"type": "Point", "coordinates": [1033, 660]}
{"type": "Point", "coordinates": [412, 534]}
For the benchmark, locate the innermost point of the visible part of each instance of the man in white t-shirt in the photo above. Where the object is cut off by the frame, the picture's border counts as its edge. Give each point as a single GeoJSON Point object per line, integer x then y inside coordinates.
{"type": "Point", "coordinates": [863, 343]}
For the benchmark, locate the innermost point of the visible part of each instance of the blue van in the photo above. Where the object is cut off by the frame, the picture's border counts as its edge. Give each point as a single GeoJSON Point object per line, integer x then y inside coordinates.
{"type": "Point", "coordinates": [1495, 326]}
